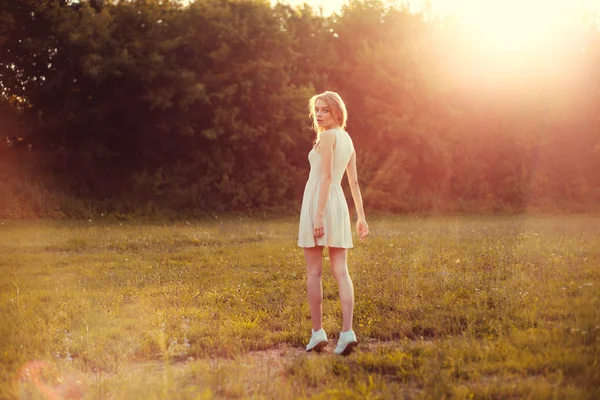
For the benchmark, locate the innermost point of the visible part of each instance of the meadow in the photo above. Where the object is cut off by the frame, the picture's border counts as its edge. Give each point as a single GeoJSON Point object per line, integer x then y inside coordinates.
{"type": "Point", "coordinates": [486, 307]}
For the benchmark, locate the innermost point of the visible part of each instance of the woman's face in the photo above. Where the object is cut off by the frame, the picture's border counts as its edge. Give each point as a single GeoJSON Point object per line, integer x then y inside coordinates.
{"type": "Point", "coordinates": [324, 115]}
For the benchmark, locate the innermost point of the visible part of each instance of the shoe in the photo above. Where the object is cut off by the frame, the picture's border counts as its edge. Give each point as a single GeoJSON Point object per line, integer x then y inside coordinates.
{"type": "Point", "coordinates": [346, 343]}
{"type": "Point", "coordinates": [318, 340]}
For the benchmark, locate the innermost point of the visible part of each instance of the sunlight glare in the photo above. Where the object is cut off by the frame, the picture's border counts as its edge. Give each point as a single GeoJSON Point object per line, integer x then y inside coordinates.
{"type": "Point", "coordinates": [513, 25]}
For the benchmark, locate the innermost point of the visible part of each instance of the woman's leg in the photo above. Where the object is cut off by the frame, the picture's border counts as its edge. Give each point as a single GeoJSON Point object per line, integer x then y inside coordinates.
{"type": "Point", "coordinates": [339, 267]}
{"type": "Point", "coordinates": [314, 286]}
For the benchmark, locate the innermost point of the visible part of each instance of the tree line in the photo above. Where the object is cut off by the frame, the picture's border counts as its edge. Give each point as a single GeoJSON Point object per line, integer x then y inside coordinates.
{"type": "Point", "coordinates": [163, 106]}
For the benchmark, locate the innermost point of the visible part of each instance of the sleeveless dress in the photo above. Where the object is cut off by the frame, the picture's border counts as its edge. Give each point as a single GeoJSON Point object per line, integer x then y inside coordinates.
{"type": "Point", "coordinates": [337, 230]}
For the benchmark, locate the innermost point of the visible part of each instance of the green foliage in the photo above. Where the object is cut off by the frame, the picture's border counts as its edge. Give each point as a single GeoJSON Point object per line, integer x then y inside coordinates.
{"type": "Point", "coordinates": [203, 107]}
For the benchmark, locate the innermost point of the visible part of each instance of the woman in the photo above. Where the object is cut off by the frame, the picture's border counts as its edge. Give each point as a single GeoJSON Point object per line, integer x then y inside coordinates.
{"type": "Point", "coordinates": [324, 217]}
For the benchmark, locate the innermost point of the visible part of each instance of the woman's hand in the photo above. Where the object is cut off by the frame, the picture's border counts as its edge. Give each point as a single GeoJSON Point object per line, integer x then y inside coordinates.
{"type": "Point", "coordinates": [362, 228]}
{"type": "Point", "coordinates": [318, 228]}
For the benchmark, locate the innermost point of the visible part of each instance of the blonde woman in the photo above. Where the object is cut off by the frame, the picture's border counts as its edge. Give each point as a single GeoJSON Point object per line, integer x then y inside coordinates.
{"type": "Point", "coordinates": [325, 219]}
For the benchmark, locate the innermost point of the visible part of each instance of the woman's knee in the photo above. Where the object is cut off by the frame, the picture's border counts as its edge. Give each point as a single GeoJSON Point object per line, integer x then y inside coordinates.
{"type": "Point", "coordinates": [314, 271]}
{"type": "Point", "coordinates": [339, 271]}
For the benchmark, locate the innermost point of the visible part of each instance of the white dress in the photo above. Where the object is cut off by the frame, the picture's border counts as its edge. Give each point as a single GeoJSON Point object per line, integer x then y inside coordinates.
{"type": "Point", "coordinates": [337, 231]}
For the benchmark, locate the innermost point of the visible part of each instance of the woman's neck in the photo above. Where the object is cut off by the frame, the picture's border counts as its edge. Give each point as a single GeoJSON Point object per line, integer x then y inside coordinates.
{"type": "Point", "coordinates": [328, 128]}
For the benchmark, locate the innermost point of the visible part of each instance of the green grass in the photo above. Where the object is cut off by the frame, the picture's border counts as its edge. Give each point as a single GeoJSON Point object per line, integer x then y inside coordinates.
{"type": "Point", "coordinates": [456, 307]}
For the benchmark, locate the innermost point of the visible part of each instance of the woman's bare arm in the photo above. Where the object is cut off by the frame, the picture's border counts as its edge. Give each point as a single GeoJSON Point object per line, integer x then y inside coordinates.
{"type": "Point", "coordinates": [361, 224]}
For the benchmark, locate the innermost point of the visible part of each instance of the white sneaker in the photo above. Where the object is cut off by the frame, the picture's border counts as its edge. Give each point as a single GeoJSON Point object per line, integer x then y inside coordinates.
{"type": "Point", "coordinates": [346, 343]}
{"type": "Point", "coordinates": [318, 340]}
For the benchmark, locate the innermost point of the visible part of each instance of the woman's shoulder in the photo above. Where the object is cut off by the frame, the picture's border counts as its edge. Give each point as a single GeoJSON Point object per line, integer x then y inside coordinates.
{"type": "Point", "coordinates": [329, 132]}
{"type": "Point", "coordinates": [333, 132]}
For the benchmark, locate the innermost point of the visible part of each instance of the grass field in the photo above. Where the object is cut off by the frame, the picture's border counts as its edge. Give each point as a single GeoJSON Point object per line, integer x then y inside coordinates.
{"type": "Point", "coordinates": [446, 307]}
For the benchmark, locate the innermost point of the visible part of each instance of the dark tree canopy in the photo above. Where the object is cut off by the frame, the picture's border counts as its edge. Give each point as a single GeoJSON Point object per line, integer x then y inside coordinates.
{"type": "Point", "coordinates": [204, 107]}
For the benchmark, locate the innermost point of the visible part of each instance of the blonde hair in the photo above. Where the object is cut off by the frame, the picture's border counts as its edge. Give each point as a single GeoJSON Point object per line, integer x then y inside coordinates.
{"type": "Point", "coordinates": [336, 106]}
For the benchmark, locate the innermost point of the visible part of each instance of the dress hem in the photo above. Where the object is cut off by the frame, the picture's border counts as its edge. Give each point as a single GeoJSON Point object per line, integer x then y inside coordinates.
{"type": "Point", "coordinates": [326, 245]}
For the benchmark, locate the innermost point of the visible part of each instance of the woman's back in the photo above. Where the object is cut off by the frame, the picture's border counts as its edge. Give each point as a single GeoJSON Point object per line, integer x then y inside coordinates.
{"type": "Point", "coordinates": [341, 154]}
